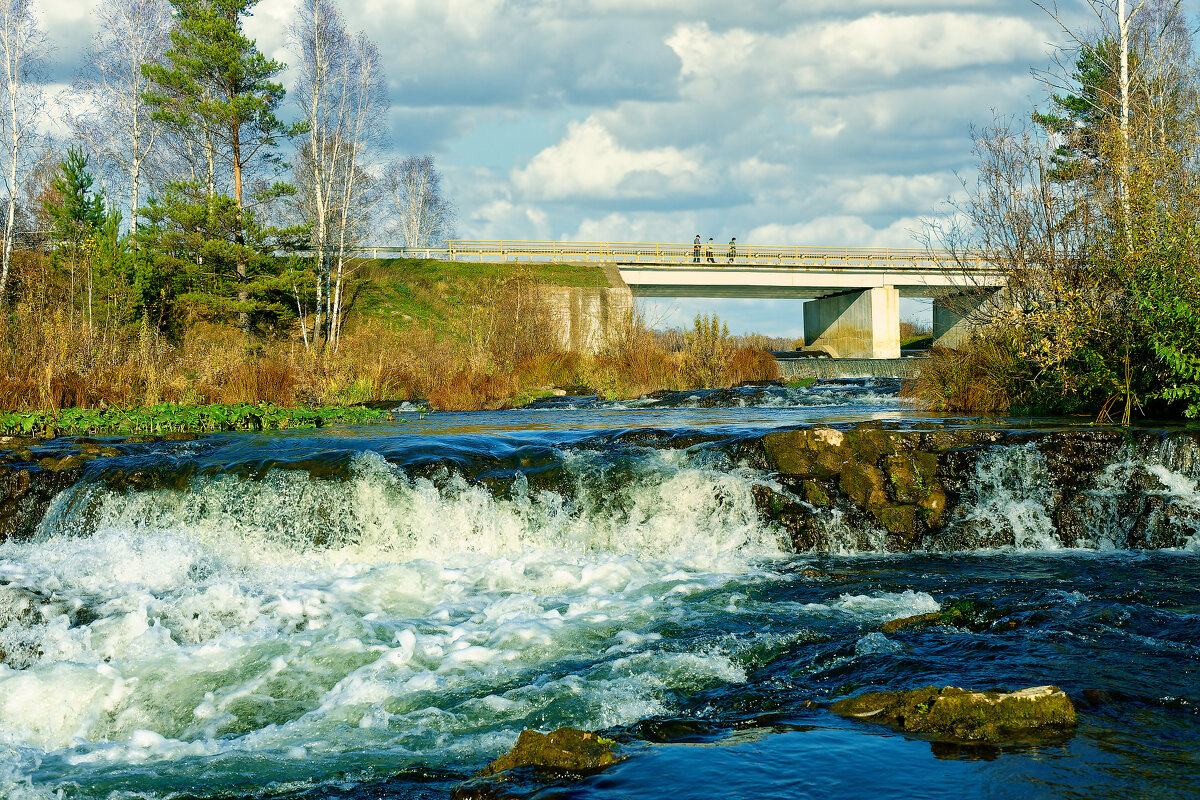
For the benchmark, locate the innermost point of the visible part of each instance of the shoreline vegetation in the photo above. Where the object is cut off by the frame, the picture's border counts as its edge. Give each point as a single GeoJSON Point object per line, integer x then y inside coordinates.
{"type": "Point", "coordinates": [454, 336]}
{"type": "Point", "coordinates": [1092, 209]}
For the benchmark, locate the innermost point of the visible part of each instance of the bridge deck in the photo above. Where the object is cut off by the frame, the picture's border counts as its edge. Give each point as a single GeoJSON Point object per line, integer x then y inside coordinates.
{"type": "Point", "coordinates": [657, 253]}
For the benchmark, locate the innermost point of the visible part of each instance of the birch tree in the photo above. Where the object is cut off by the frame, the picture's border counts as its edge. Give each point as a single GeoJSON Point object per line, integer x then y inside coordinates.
{"type": "Point", "coordinates": [115, 118]}
{"type": "Point", "coordinates": [422, 214]}
{"type": "Point", "coordinates": [22, 50]}
{"type": "Point", "coordinates": [341, 93]}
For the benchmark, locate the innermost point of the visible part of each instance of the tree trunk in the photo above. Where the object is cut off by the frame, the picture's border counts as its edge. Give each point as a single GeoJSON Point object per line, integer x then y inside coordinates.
{"type": "Point", "coordinates": [14, 150]}
{"type": "Point", "coordinates": [1123, 23]}
{"type": "Point", "coordinates": [240, 234]}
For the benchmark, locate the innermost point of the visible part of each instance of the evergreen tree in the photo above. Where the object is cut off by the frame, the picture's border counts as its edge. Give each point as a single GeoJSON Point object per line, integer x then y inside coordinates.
{"type": "Point", "coordinates": [216, 82]}
{"type": "Point", "coordinates": [76, 213]}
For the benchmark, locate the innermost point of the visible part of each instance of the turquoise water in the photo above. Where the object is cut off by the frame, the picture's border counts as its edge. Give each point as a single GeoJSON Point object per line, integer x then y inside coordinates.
{"type": "Point", "coordinates": [378, 612]}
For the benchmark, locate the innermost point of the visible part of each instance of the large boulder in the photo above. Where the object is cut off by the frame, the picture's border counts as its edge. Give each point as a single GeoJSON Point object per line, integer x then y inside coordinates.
{"type": "Point", "coordinates": [965, 715]}
{"type": "Point", "coordinates": [537, 759]}
{"type": "Point", "coordinates": [563, 750]}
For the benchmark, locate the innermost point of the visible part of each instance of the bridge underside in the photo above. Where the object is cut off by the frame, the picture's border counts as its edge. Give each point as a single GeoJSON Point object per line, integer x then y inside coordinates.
{"type": "Point", "coordinates": [851, 313]}
{"type": "Point", "coordinates": [780, 293]}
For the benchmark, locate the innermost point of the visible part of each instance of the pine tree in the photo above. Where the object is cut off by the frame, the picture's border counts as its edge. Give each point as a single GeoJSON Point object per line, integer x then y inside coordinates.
{"type": "Point", "coordinates": [216, 86]}
{"type": "Point", "coordinates": [76, 213]}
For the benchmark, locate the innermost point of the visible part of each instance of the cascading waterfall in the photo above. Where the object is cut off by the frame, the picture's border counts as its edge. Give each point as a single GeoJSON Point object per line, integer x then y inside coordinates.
{"type": "Point", "coordinates": [387, 627]}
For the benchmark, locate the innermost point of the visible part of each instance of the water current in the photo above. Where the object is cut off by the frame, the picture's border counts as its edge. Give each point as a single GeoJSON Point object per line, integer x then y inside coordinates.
{"type": "Point", "coordinates": [377, 612]}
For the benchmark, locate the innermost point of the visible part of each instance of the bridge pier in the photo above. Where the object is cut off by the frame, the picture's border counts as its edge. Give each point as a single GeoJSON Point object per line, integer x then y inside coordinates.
{"type": "Point", "coordinates": [956, 316]}
{"type": "Point", "coordinates": [862, 323]}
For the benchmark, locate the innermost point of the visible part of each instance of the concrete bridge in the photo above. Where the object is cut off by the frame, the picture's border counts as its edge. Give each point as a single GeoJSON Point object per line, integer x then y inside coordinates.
{"type": "Point", "coordinates": [853, 294]}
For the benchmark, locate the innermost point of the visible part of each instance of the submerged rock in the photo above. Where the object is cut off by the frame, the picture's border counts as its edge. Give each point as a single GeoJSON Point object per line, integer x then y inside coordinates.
{"type": "Point", "coordinates": [975, 615]}
{"type": "Point", "coordinates": [962, 714]}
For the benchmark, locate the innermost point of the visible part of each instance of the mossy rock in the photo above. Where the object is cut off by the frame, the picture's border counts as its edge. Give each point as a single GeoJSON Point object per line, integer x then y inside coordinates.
{"type": "Point", "coordinates": [912, 475]}
{"type": "Point", "coordinates": [802, 525]}
{"type": "Point", "coordinates": [899, 520]}
{"type": "Point", "coordinates": [818, 452]}
{"type": "Point", "coordinates": [815, 494]}
{"type": "Point", "coordinates": [965, 715]}
{"type": "Point", "coordinates": [864, 484]}
{"type": "Point", "coordinates": [975, 615]}
{"type": "Point", "coordinates": [869, 442]}
{"type": "Point", "coordinates": [52, 464]}
{"type": "Point", "coordinates": [98, 450]}
{"type": "Point", "coordinates": [563, 750]}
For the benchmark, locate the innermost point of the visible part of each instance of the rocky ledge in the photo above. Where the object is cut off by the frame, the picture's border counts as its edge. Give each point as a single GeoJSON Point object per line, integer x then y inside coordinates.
{"type": "Point", "coordinates": [946, 488]}
{"type": "Point", "coordinates": [965, 715]}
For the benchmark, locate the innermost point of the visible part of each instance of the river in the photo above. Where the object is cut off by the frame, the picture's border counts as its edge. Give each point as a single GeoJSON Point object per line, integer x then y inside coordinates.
{"type": "Point", "coordinates": [377, 612]}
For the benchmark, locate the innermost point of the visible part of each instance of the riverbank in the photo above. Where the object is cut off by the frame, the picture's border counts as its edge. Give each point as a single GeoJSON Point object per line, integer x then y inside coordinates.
{"type": "Point", "coordinates": [457, 336]}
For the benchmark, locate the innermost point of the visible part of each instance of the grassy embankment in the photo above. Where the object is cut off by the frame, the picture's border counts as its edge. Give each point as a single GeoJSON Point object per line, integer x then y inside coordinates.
{"type": "Point", "coordinates": [456, 335]}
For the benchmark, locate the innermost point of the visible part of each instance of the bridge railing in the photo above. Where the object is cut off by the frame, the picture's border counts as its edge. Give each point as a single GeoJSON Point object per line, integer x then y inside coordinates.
{"type": "Point", "coordinates": [670, 253]}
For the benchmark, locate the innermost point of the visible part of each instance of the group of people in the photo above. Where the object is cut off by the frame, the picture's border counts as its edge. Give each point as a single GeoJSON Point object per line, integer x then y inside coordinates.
{"type": "Point", "coordinates": [708, 250]}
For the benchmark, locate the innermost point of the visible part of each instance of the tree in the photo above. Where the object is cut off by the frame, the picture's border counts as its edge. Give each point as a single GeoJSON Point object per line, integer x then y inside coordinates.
{"type": "Point", "coordinates": [117, 122]}
{"type": "Point", "coordinates": [1093, 212]}
{"type": "Point", "coordinates": [341, 94]}
{"type": "Point", "coordinates": [22, 53]}
{"type": "Point", "coordinates": [217, 82]}
{"type": "Point", "coordinates": [77, 213]}
{"type": "Point", "coordinates": [423, 216]}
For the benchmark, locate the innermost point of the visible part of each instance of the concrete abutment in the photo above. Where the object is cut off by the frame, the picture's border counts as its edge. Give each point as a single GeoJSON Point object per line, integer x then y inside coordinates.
{"type": "Point", "coordinates": [856, 324]}
{"type": "Point", "coordinates": [957, 316]}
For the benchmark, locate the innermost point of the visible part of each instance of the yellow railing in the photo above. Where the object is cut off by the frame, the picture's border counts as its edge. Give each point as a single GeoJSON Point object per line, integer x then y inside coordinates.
{"type": "Point", "coordinates": [684, 254]}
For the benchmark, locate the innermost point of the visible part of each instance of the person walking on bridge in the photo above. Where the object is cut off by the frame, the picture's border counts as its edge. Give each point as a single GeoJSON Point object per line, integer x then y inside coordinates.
{"type": "Point", "coordinates": [732, 249]}
{"type": "Point", "coordinates": [696, 250]}
{"type": "Point", "coordinates": [708, 252]}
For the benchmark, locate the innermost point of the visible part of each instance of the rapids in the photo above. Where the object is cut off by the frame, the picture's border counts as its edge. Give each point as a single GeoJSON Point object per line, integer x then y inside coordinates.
{"type": "Point", "coordinates": [379, 611]}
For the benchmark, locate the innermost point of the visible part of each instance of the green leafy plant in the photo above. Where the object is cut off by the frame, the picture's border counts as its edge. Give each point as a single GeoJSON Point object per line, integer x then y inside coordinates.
{"type": "Point", "coordinates": [168, 418]}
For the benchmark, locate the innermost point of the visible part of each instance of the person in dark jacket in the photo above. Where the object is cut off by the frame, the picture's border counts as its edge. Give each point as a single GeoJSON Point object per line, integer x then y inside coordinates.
{"type": "Point", "coordinates": [696, 250]}
{"type": "Point", "coordinates": [732, 249]}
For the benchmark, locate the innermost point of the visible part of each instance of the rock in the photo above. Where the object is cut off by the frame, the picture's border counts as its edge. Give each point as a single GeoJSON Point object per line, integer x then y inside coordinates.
{"type": "Point", "coordinates": [962, 714]}
{"type": "Point", "coordinates": [563, 750]}
{"type": "Point", "coordinates": [816, 495]}
{"type": "Point", "coordinates": [915, 621]}
{"type": "Point", "coordinates": [863, 484]}
{"type": "Point", "coordinates": [802, 525]}
{"type": "Point", "coordinates": [25, 494]}
{"type": "Point", "coordinates": [52, 464]}
{"type": "Point", "coordinates": [101, 450]}
{"type": "Point", "coordinates": [18, 442]}
{"type": "Point", "coordinates": [974, 615]}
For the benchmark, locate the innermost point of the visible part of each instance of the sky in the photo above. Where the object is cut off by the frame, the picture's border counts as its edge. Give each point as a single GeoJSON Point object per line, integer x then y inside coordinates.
{"type": "Point", "coordinates": [780, 122]}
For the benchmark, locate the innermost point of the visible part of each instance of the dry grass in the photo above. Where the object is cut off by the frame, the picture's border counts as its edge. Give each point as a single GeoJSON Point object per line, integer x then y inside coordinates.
{"type": "Point", "coordinates": [502, 349]}
{"type": "Point", "coordinates": [977, 377]}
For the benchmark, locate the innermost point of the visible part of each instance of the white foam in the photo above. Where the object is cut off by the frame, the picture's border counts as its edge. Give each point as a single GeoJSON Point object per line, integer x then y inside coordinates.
{"type": "Point", "coordinates": [429, 618]}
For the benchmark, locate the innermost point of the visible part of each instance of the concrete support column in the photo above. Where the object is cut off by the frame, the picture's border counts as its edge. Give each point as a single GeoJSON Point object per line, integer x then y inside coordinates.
{"type": "Point", "coordinates": [856, 324]}
{"type": "Point", "coordinates": [956, 316]}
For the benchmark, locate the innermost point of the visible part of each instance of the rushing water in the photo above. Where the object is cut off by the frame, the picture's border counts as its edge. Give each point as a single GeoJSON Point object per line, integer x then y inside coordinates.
{"type": "Point", "coordinates": [378, 612]}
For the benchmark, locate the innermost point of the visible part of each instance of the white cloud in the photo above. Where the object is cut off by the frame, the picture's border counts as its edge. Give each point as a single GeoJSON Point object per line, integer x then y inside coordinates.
{"type": "Point", "coordinates": [590, 163]}
{"type": "Point", "coordinates": [842, 230]}
{"type": "Point", "coordinates": [872, 193]}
